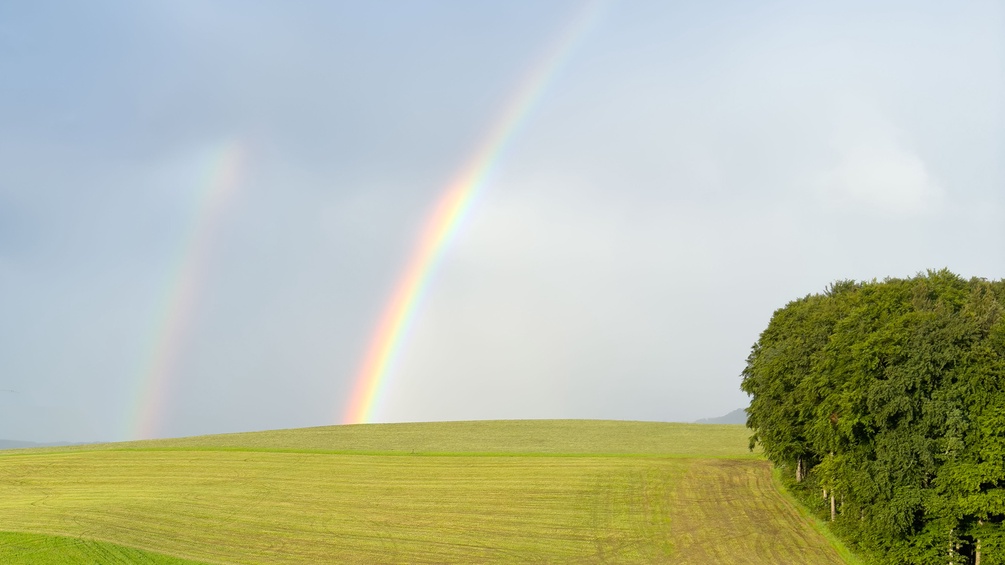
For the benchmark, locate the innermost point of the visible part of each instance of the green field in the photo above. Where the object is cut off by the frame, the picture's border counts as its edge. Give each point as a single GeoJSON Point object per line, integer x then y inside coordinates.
{"type": "Point", "coordinates": [465, 492]}
{"type": "Point", "coordinates": [40, 549]}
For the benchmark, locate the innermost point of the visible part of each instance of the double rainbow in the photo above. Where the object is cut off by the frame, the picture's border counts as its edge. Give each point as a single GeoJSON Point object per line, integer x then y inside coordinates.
{"type": "Point", "coordinates": [443, 224]}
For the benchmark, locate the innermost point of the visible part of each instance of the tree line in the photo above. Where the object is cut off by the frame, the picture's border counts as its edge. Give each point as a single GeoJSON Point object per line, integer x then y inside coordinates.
{"type": "Point", "coordinates": [883, 405]}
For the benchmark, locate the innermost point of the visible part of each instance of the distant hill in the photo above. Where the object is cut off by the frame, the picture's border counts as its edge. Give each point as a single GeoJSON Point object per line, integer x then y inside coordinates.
{"type": "Point", "coordinates": [14, 444]}
{"type": "Point", "coordinates": [738, 416]}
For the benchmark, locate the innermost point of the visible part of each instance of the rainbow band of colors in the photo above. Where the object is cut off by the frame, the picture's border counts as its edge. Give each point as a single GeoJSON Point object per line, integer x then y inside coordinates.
{"type": "Point", "coordinates": [447, 216]}
{"type": "Point", "coordinates": [180, 294]}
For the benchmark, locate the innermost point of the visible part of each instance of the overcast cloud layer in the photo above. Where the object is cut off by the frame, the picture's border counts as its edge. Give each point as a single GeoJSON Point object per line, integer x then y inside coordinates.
{"type": "Point", "coordinates": [688, 171]}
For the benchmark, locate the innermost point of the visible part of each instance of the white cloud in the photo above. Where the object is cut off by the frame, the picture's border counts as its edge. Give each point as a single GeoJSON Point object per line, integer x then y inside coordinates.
{"type": "Point", "coordinates": [876, 171]}
{"type": "Point", "coordinates": [886, 180]}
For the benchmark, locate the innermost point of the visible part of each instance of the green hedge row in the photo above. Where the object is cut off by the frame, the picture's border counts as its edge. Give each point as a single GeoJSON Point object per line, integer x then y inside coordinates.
{"type": "Point", "coordinates": [884, 405]}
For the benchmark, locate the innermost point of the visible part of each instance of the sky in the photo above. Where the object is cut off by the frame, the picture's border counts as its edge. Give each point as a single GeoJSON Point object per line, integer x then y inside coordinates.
{"type": "Point", "coordinates": [206, 206]}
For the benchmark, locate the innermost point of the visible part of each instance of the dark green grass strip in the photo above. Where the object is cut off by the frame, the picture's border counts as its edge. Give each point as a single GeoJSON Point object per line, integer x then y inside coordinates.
{"type": "Point", "coordinates": [18, 548]}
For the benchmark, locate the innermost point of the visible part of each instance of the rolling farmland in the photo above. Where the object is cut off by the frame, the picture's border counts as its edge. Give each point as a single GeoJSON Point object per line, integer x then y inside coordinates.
{"type": "Point", "coordinates": [464, 492]}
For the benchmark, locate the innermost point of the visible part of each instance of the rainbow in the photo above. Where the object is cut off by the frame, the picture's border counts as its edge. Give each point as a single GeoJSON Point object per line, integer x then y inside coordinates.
{"type": "Point", "coordinates": [446, 218]}
{"type": "Point", "coordinates": [181, 292]}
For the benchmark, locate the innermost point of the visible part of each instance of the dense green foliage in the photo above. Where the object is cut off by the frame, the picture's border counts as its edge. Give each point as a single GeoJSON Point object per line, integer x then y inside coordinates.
{"type": "Point", "coordinates": [884, 405]}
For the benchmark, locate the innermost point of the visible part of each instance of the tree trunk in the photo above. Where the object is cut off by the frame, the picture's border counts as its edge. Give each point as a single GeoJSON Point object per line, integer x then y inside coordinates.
{"type": "Point", "coordinates": [977, 550]}
{"type": "Point", "coordinates": [833, 508]}
{"type": "Point", "coordinates": [799, 469]}
{"type": "Point", "coordinates": [950, 546]}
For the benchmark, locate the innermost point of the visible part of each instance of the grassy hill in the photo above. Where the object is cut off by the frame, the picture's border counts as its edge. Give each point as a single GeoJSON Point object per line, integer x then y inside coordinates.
{"type": "Point", "coordinates": [460, 492]}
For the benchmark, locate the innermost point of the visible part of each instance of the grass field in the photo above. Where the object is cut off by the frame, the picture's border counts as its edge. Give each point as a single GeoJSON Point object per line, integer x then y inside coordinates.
{"type": "Point", "coordinates": [465, 492]}
{"type": "Point", "coordinates": [40, 549]}
{"type": "Point", "coordinates": [530, 437]}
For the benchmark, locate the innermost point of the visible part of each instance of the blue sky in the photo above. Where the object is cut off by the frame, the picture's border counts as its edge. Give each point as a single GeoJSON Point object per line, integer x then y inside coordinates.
{"type": "Point", "coordinates": [686, 172]}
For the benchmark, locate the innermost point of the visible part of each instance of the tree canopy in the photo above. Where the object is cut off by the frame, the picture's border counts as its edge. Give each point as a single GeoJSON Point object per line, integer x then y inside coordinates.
{"type": "Point", "coordinates": [884, 405]}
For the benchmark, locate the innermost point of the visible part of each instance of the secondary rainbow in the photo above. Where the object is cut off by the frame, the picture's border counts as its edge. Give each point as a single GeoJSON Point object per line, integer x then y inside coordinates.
{"type": "Point", "coordinates": [180, 297]}
{"type": "Point", "coordinates": [443, 224]}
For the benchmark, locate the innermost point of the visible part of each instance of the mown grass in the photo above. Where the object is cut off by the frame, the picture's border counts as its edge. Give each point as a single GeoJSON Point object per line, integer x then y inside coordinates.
{"type": "Point", "coordinates": [553, 492]}
{"type": "Point", "coordinates": [819, 525]}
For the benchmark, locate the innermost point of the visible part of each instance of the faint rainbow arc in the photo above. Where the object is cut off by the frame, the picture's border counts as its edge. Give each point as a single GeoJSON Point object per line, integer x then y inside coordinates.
{"type": "Point", "coordinates": [180, 294]}
{"type": "Point", "coordinates": [445, 219]}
